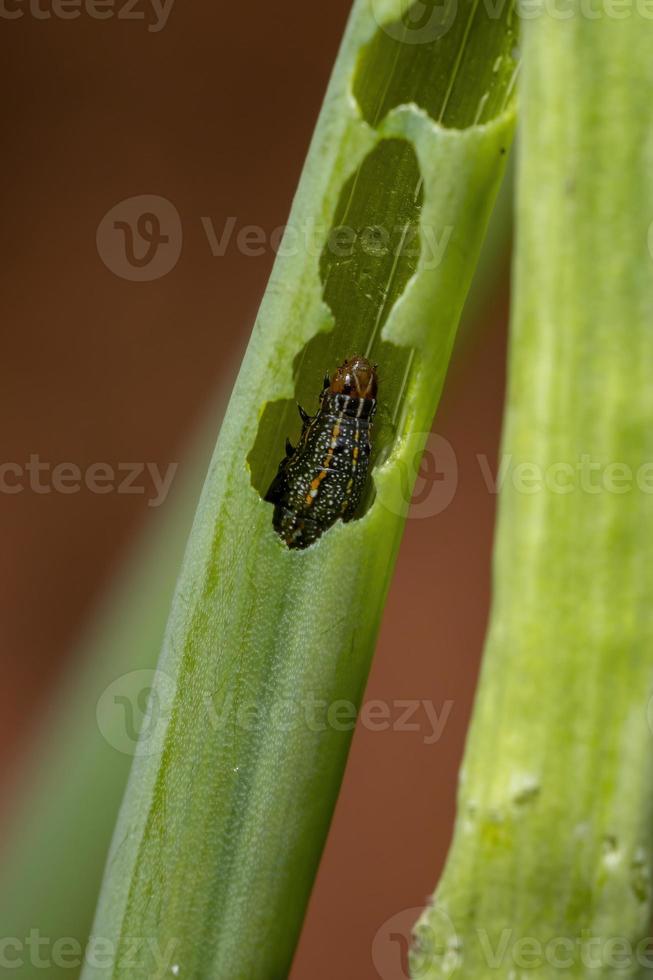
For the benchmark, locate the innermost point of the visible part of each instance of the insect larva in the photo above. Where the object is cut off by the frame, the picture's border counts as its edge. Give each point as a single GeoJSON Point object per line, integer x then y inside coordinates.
{"type": "Point", "coordinates": [322, 478]}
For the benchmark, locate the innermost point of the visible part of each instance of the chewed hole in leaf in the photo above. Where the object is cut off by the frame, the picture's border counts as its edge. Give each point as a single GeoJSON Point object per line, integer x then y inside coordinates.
{"type": "Point", "coordinates": [369, 256]}
{"type": "Point", "coordinates": [436, 56]}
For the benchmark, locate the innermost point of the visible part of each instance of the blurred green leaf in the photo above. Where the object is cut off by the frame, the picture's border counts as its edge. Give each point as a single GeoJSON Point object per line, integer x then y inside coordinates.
{"type": "Point", "coordinates": [549, 872]}
{"type": "Point", "coordinates": [267, 650]}
{"type": "Point", "coordinates": [55, 847]}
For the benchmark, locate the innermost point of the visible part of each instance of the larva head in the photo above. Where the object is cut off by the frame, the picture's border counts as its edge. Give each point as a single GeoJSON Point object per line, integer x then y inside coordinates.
{"type": "Point", "coordinates": [355, 377]}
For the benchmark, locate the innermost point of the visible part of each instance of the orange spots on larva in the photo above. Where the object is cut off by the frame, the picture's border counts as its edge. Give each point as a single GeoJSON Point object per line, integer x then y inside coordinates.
{"type": "Point", "coordinates": [334, 443]}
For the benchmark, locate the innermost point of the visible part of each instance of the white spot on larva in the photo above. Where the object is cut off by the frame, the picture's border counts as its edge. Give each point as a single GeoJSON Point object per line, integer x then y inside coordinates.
{"type": "Point", "coordinates": [175, 969]}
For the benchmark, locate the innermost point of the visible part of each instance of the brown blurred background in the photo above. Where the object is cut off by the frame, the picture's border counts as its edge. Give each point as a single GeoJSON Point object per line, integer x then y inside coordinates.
{"type": "Point", "coordinates": [214, 112]}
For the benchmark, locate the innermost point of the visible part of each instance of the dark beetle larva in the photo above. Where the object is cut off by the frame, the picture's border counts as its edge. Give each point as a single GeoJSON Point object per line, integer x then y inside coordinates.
{"type": "Point", "coordinates": [323, 477]}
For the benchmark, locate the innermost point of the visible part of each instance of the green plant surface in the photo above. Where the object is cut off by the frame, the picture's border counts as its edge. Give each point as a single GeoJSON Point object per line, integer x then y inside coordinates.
{"type": "Point", "coordinates": [55, 844]}
{"type": "Point", "coordinates": [267, 650]}
{"type": "Point", "coordinates": [549, 871]}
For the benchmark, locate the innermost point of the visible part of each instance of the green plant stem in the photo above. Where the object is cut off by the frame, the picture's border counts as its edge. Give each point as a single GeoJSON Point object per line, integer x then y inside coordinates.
{"type": "Point", "coordinates": [549, 872]}
{"type": "Point", "coordinates": [61, 824]}
{"type": "Point", "coordinates": [267, 650]}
